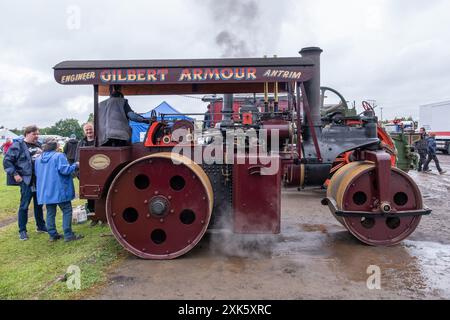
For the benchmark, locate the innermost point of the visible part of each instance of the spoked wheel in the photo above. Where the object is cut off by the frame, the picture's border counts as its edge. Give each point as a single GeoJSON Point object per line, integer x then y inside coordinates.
{"type": "Point", "coordinates": [355, 189]}
{"type": "Point", "coordinates": [157, 209]}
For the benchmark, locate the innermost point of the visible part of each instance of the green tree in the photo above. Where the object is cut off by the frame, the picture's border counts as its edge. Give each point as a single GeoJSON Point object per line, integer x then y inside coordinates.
{"type": "Point", "coordinates": [16, 131]}
{"type": "Point", "coordinates": [91, 118]}
{"type": "Point", "coordinates": [66, 127]}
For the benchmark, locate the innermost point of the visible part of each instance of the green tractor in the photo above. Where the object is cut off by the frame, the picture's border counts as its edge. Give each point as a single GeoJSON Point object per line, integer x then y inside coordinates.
{"type": "Point", "coordinates": [404, 138]}
{"type": "Point", "coordinates": [397, 137]}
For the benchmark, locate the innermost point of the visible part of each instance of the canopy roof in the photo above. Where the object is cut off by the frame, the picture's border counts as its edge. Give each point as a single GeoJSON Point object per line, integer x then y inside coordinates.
{"type": "Point", "coordinates": [165, 108]}
{"type": "Point", "coordinates": [139, 129]}
{"type": "Point", "coordinates": [182, 63]}
{"type": "Point", "coordinates": [7, 134]}
{"type": "Point", "coordinates": [196, 76]}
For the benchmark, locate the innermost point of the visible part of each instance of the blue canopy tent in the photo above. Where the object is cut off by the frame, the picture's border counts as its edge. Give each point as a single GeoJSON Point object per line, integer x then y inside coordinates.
{"type": "Point", "coordinates": [140, 129]}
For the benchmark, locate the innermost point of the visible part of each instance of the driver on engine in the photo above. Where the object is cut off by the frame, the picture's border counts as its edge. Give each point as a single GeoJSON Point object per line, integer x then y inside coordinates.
{"type": "Point", "coordinates": [114, 115]}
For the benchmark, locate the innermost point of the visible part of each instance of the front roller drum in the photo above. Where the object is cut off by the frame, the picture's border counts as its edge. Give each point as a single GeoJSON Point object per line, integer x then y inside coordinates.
{"type": "Point", "coordinates": [157, 209]}
{"type": "Point", "coordinates": [354, 189]}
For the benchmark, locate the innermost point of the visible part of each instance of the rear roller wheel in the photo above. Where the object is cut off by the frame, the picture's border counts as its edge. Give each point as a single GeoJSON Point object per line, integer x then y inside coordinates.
{"type": "Point", "coordinates": [337, 181]}
{"type": "Point", "coordinates": [355, 189]}
{"type": "Point", "coordinates": [158, 209]}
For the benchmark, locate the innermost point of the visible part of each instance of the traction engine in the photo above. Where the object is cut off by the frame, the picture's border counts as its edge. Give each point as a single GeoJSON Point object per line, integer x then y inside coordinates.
{"type": "Point", "coordinates": [161, 196]}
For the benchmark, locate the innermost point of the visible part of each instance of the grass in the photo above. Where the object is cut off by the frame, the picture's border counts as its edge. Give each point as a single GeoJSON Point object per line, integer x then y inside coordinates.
{"type": "Point", "coordinates": [33, 269]}
{"type": "Point", "coordinates": [9, 196]}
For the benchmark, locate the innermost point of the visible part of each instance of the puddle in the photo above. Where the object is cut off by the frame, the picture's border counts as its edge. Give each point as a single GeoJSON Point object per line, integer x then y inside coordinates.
{"type": "Point", "coordinates": [433, 260]}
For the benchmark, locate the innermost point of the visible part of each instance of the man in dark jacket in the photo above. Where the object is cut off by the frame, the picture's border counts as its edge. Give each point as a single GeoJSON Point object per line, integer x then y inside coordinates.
{"type": "Point", "coordinates": [422, 148]}
{"type": "Point", "coordinates": [19, 166]}
{"type": "Point", "coordinates": [432, 154]}
{"type": "Point", "coordinates": [87, 141]}
{"type": "Point", "coordinates": [208, 118]}
{"type": "Point", "coordinates": [114, 114]}
{"type": "Point", "coordinates": [70, 149]}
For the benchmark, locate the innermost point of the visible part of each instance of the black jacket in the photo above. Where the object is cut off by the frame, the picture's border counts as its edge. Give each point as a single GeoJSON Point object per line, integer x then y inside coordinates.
{"type": "Point", "coordinates": [70, 149]}
{"type": "Point", "coordinates": [422, 144]}
{"type": "Point", "coordinates": [83, 143]}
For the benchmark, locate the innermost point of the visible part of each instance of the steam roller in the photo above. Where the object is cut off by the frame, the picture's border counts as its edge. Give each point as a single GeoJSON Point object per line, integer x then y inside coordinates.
{"type": "Point", "coordinates": [380, 205]}
{"type": "Point", "coordinates": [159, 202]}
{"type": "Point", "coordinates": [159, 210]}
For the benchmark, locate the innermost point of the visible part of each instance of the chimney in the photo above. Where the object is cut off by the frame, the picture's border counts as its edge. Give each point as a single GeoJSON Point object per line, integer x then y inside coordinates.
{"type": "Point", "coordinates": [227, 110]}
{"type": "Point", "coordinates": [312, 87]}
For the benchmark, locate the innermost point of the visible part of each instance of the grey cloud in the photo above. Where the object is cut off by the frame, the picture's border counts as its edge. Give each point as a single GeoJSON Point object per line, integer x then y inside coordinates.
{"type": "Point", "coordinates": [400, 59]}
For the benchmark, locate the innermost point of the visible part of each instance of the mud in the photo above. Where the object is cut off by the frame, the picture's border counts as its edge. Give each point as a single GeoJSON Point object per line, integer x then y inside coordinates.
{"type": "Point", "coordinates": [314, 257]}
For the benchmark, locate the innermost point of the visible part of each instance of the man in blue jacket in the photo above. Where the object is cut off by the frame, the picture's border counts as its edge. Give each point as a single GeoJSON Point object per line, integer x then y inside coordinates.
{"type": "Point", "coordinates": [55, 188]}
{"type": "Point", "coordinates": [19, 166]}
{"type": "Point", "coordinates": [432, 154]}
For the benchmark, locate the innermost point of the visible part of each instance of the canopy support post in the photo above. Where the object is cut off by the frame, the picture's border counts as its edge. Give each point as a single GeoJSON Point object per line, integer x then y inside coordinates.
{"type": "Point", "coordinates": [96, 114]}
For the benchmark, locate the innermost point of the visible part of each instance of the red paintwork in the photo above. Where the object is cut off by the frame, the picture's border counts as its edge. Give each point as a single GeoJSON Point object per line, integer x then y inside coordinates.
{"type": "Point", "coordinates": [247, 118]}
{"type": "Point", "coordinates": [393, 181]}
{"type": "Point", "coordinates": [93, 183]}
{"type": "Point", "coordinates": [135, 236]}
{"type": "Point", "coordinates": [256, 198]}
{"type": "Point", "coordinates": [442, 134]}
{"type": "Point", "coordinates": [382, 162]}
{"type": "Point", "coordinates": [216, 109]}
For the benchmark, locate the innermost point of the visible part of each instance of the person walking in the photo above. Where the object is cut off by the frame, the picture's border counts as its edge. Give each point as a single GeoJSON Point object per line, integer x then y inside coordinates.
{"type": "Point", "coordinates": [432, 154]}
{"type": "Point", "coordinates": [19, 166]}
{"type": "Point", "coordinates": [55, 188]}
{"type": "Point", "coordinates": [70, 149]}
{"type": "Point", "coordinates": [422, 148]}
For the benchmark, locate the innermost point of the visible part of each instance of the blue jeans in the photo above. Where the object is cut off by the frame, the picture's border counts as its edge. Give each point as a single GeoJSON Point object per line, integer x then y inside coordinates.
{"type": "Point", "coordinates": [66, 208]}
{"type": "Point", "coordinates": [26, 194]}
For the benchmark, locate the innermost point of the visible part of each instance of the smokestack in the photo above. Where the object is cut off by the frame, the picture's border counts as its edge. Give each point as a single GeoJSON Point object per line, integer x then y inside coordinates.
{"type": "Point", "coordinates": [227, 110]}
{"type": "Point", "coordinates": [312, 87]}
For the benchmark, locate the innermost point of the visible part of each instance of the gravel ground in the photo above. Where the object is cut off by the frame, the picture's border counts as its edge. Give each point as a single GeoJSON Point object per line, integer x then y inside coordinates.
{"type": "Point", "coordinates": [314, 257]}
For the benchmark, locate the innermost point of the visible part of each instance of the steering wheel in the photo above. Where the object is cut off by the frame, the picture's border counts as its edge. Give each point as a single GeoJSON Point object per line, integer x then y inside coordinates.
{"type": "Point", "coordinates": [367, 106]}
{"type": "Point", "coordinates": [330, 108]}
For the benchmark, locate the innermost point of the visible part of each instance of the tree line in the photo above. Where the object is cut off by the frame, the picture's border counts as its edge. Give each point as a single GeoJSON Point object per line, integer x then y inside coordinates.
{"type": "Point", "coordinates": [63, 127]}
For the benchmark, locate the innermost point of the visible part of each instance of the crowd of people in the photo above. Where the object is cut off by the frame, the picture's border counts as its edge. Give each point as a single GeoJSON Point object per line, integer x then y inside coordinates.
{"type": "Point", "coordinates": [45, 176]}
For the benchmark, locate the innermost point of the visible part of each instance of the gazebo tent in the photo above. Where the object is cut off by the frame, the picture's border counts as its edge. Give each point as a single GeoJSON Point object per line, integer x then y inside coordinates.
{"type": "Point", "coordinates": [5, 133]}
{"type": "Point", "coordinates": [140, 129]}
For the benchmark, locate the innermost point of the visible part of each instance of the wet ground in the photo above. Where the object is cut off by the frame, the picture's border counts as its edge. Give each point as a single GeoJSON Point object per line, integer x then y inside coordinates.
{"type": "Point", "coordinates": [314, 257]}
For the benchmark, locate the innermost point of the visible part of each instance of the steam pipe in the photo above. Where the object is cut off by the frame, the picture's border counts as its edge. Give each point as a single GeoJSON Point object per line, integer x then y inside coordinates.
{"type": "Point", "coordinates": [266, 97]}
{"type": "Point", "coordinates": [275, 109]}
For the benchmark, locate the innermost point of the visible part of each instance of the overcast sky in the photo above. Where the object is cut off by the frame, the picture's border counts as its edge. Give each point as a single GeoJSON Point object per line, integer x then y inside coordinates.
{"type": "Point", "coordinates": [396, 52]}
